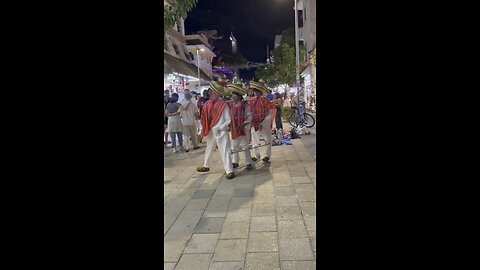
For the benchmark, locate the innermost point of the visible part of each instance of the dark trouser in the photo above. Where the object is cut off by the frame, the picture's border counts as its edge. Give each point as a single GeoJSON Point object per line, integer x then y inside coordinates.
{"type": "Point", "coordinates": [174, 141]}
{"type": "Point", "coordinates": [278, 118]}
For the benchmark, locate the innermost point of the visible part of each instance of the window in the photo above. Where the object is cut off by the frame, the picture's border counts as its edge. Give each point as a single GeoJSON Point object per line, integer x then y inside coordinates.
{"type": "Point", "coordinates": [300, 18]}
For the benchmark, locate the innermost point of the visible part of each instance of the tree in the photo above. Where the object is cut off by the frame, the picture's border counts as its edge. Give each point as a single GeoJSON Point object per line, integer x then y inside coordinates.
{"type": "Point", "coordinates": [175, 12]}
{"type": "Point", "coordinates": [283, 68]}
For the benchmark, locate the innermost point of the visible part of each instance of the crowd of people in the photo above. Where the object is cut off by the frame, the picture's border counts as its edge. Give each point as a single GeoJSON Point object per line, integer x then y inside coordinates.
{"type": "Point", "coordinates": [229, 117]}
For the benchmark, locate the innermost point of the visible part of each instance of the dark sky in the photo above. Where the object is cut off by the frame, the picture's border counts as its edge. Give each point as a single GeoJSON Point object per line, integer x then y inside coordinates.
{"type": "Point", "coordinates": [253, 22]}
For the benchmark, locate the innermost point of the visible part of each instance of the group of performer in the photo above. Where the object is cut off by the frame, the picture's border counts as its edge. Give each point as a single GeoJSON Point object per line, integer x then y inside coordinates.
{"type": "Point", "coordinates": [232, 125]}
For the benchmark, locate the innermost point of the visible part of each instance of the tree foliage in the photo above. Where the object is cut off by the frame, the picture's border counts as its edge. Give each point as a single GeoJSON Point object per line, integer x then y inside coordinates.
{"type": "Point", "coordinates": [177, 11]}
{"type": "Point", "coordinates": [283, 68]}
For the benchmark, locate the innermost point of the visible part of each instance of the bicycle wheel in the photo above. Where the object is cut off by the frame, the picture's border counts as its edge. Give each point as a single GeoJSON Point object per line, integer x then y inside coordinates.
{"type": "Point", "coordinates": [309, 120]}
{"type": "Point", "coordinates": [292, 120]}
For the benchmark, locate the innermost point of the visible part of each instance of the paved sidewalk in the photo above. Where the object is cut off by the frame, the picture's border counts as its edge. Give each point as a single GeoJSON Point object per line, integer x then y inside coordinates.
{"type": "Point", "coordinates": [261, 219]}
{"type": "Point", "coordinates": [309, 141]}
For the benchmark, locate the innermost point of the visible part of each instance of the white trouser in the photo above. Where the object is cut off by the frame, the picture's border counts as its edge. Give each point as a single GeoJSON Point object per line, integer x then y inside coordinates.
{"type": "Point", "coordinates": [224, 149]}
{"type": "Point", "coordinates": [189, 132]}
{"type": "Point", "coordinates": [268, 138]}
{"type": "Point", "coordinates": [240, 143]}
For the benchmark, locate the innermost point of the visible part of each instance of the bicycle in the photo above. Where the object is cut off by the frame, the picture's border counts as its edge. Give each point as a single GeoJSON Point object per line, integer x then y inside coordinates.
{"type": "Point", "coordinates": [301, 118]}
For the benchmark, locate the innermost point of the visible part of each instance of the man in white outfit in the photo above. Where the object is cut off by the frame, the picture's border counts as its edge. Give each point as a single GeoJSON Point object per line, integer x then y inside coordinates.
{"type": "Point", "coordinates": [189, 113]}
{"type": "Point", "coordinates": [215, 122]}
{"type": "Point", "coordinates": [262, 119]}
{"type": "Point", "coordinates": [241, 117]}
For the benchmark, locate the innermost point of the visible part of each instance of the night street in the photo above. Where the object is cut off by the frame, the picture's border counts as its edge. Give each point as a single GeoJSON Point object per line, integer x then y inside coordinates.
{"type": "Point", "coordinates": [261, 219]}
{"type": "Point", "coordinates": [228, 68]}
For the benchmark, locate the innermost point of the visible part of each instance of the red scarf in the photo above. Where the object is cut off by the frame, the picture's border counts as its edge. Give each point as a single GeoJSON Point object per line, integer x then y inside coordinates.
{"type": "Point", "coordinates": [260, 107]}
{"type": "Point", "coordinates": [238, 115]}
{"type": "Point", "coordinates": [211, 112]}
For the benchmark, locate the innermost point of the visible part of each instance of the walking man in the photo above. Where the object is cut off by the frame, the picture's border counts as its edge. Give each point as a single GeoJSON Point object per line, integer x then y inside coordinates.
{"type": "Point", "coordinates": [241, 117]}
{"type": "Point", "coordinates": [189, 113]}
{"type": "Point", "coordinates": [262, 119]}
{"type": "Point", "coordinates": [215, 121]}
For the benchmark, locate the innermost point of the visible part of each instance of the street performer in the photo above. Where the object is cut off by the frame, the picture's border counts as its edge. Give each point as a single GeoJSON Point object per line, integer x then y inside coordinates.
{"type": "Point", "coordinates": [262, 119]}
{"type": "Point", "coordinates": [240, 126]}
{"type": "Point", "coordinates": [215, 122]}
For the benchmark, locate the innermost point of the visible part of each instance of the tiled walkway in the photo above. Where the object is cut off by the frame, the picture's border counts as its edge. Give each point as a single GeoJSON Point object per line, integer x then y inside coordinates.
{"type": "Point", "coordinates": [261, 219]}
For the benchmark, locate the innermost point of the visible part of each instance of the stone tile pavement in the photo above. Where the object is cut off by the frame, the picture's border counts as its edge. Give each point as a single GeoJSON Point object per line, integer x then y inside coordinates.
{"type": "Point", "coordinates": [261, 219]}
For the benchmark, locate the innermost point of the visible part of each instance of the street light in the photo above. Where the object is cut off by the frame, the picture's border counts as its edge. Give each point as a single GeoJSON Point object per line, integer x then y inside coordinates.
{"type": "Point", "coordinates": [198, 67]}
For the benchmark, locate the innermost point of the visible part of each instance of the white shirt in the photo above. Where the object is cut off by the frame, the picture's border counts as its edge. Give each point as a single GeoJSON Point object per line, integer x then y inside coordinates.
{"type": "Point", "coordinates": [188, 114]}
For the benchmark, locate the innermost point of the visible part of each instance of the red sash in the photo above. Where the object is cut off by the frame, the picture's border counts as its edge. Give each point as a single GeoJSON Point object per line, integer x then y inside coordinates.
{"type": "Point", "coordinates": [238, 115]}
{"type": "Point", "coordinates": [260, 107]}
{"type": "Point", "coordinates": [211, 112]}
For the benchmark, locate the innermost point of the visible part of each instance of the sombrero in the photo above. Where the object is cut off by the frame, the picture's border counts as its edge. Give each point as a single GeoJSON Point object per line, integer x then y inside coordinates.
{"type": "Point", "coordinates": [222, 82]}
{"type": "Point", "coordinates": [237, 88]}
{"type": "Point", "coordinates": [260, 86]}
{"type": "Point", "coordinates": [217, 87]}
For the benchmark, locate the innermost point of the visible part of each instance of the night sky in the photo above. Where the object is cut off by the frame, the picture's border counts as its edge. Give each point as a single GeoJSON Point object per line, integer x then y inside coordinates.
{"type": "Point", "coordinates": [253, 22]}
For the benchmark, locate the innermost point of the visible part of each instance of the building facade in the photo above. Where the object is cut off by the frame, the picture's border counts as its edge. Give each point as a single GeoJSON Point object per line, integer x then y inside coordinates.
{"type": "Point", "coordinates": [180, 59]}
{"type": "Point", "coordinates": [308, 34]}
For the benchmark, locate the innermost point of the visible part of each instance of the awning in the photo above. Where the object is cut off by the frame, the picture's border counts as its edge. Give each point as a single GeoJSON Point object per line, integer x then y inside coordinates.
{"type": "Point", "coordinates": [305, 71]}
{"type": "Point", "coordinates": [173, 64]}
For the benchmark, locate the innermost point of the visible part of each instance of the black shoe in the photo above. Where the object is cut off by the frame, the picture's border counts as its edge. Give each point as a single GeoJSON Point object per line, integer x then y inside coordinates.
{"type": "Point", "coordinates": [249, 167]}
{"type": "Point", "coordinates": [254, 159]}
{"type": "Point", "coordinates": [266, 159]}
{"type": "Point", "coordinates": [203, 169]}
{"type": "Point", "coordinates": [235, 165]}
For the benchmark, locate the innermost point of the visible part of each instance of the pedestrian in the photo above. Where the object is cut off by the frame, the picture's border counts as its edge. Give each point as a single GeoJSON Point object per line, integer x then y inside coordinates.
{"type": "Point", "coordinates": [189, 114]}
{"type": "Point", "coordinates": [215, 120]}
{"type": "Point", "coordinates": [174, 123]}
{"type": "Point", "coordinates": [262, 119]}
{"type": "Point", "coordinates": [204, 98]}
{"type": "Point", "coordinates": [241, 117]}
{"type": "Point", "coordinates": [277, 102]}
{"type": "Point", "coordinates": [269, 95]}
{"type": "Point", "coordinates": [194, 95]}
{"type": "Point", "coordinates": [294, 102]}
{"type": "Point", "coordinates": [166, 98]}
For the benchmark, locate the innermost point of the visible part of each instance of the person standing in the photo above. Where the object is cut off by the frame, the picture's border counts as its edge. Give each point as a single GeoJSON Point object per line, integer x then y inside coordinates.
{"type": "Point", "coordinates": [241, 117]}
{"type": "Point", "coordinates": [215, 122]}
{"type": "Point", "coordinates": [189, 113]}
{"type": "Point", "coordinates": [277, 102]}
{"type": "Point", "coordinates": [174, 123]}
{"type": "Point", "coordinates": [262, 119]}
{"type": "Point", "coordinates": [166, 98]}
{"type": "Point", "coordinates": [270, 95]}
{"type": "Point", "coordinates": [204, 98]}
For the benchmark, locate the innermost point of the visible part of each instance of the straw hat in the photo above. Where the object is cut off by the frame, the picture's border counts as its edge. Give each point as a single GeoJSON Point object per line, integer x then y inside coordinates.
{"type": "Point", "coordinates": [237, 88]}
{"type": "Point", "coordinates": [217, 87]}
{"type": "Point", "coordinates": [259, 86]}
